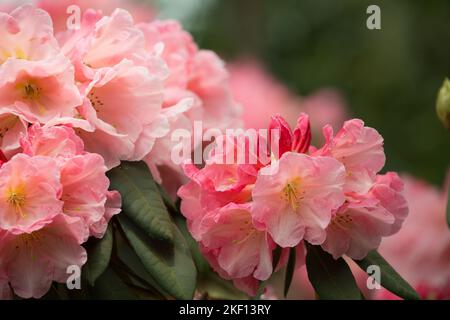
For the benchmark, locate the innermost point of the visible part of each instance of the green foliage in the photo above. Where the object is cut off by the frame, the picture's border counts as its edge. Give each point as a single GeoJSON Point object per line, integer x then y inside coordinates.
{"type": "Point", "coordinates": [390, 279]}
{"type": "Point", "coordinates": [331, 279]}
{"type": "Point", "coordinates": [141, 199]}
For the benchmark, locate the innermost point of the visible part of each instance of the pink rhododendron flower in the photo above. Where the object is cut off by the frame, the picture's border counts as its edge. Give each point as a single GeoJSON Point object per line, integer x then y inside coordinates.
{"type": "Point", "coordinates": [58, 9]}
{"type": "Point", "coordinates": [359, 225]}
{"type": "Point", "coordinates": [419, 251]}
{"type": "Point", "coordinates": [374, 206]}
{"type": "Point", "coordinates": [359, 149]}
{"type": "Point", "coordinates": [37, 81]}
{"type": "Point", "coordinates": [82, 175]}
{"type": "Point", "coordinates": [26, 34]}
{"type": "Point", "coordinates": [30, 189]}
{"type": "Point", "coordinates": [11, 128]}
{"type": "Point", "coordinates": [58, 141]}
{"type": "Point", "coordinates": [240, 249]}
{"type": "Point", "coordinates": [32, 260]}
{"type": "Point", "coordinates": [123, 103]}
{"type": "Point", "coordinates": [122, 85]}
{"type": "Point", "coordinates": [194, 74]}
{"type": "Point", "coordinates": [295, 198]}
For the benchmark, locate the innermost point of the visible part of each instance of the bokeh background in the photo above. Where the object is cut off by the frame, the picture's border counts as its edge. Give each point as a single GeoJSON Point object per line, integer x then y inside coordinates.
{"type": "Point", "coordinates": [388, 77]}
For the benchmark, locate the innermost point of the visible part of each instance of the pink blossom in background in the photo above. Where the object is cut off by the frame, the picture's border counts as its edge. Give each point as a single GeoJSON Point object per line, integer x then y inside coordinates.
{"type": "Point", "coordinates": [261, 96]}
{"type": "Point", "coordinates": [420, 250]}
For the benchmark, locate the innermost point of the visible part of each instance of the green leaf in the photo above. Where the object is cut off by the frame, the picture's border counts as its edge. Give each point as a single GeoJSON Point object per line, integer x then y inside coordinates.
{"type": "Point", "coordinates": [448, 208]}
{"type": "Point", "coordinates": [390, 279]}
{"type": "Point", "coordinates": [276, 257]}
{"type": "Point", "coordinates": [171, 266]}
{"type": "Point", "coordinates": [141, 200]}
{"type": "Point", "coordinates": [109, 286]}
{"type": "Point", "coordinates": [331, 279]}
{"type": "Point", "coordinates": [289, 270]}
{"type": "Point", "coordinates": [129, 262]}
{"type": "Point", "coordinates": [99, 254]}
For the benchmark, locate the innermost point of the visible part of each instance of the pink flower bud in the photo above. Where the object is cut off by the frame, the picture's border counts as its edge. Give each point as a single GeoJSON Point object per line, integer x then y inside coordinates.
{"type": "Point", "coordinates": [2, 158]}
{"type": "Point", "coordinates": [302, 134]}
{"type": "Point", "coordinates": [283, 135]}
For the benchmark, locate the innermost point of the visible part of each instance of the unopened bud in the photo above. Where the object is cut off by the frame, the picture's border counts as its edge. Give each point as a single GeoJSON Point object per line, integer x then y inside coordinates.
{"type": "Point", "coordinates": [443, 104]}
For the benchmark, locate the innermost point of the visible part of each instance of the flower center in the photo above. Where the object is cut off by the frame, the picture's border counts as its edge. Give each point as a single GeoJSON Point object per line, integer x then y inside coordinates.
{"type": "Point", "coordinates": [17, 54]}
{"type": "Point", "coordinates": [16, 199]}
{"type": "Point", "coordinates": [292, 194]}
{"type": "Point", "coordinates": [31, 91]}
{"type": "Point", "coordinates": [95, 100]}
{"type": "Point", "coordinates": [342, 221]}
{"type": "Point", "coordinates": [6, 123]}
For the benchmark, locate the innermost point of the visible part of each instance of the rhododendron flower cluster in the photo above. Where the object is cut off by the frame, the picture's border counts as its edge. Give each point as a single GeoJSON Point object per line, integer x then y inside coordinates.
{"type": "Point", "coordinates": [54, 196]}
{"type": "Point", "coordinates": [333, 196]}
{"type": "Point", "coordinates": [74, 104]}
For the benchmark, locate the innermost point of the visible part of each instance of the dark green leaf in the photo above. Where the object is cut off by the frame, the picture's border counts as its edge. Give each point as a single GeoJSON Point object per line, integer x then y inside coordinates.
{"type": "Point", "coordinates": [129, 262]}
{"type": "Point", "coordinates": [171, 266]}
{"type": "Point", "coordinates": [141, 199]}
{"type": "Point", "coordinates": [390, 279]}
{"type": "Point", "coordinates": [109, 286]}
{"type": "Point", "coordinates": [99, 254]}
{"type": "Point", "coordinates": [289, 270]}
{"type": "Point", "coordinates": [276, 257]}
{"type": "Point", "coordinates": [331, 279]}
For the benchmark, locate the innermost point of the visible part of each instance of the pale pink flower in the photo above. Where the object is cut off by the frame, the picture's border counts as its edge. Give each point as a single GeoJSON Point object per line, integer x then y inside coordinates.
{"type": "Point", "coordinates": [82, 175]}
{"type": "Point", "coordinates": [85, 189]}
{"type": "Point", "coordinates": [123, 103]}
{"type": "Point", "coordinates": [11, 128]}
{"type": "Point", "coordinates": [57, 141]}
{"type": "Point", "coordinates": [294, 199]}
{"type": "Point", "coordinates": [112, 207]}
{"type": "Point", "coordinates": [58, 9]}
{"type": "Point", "coordinates": [32, 260]}
{"type": "Point", "coordinates": [240, 249]}
{"type": "Point", "coordinates": [29, 193]}
{"type": "Point", "coordinates": [26, 34]}
{"type": "Point", "coordinates": [194, 74]}
{"type": "Point", "coordinates": [359, 149]}
{"type": "Point", "coordinates": [419, 251]}
{"type": "Point", "coordinates": [102, 41]}
{"type": "Point", "coordinates": [39, 91]}
{"type": "Point", "coordinates": [359, 225]}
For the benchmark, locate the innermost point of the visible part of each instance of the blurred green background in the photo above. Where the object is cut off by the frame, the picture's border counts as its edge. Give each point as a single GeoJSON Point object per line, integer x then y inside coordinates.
{"type": "Point", "coordinates": [389, 77]}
